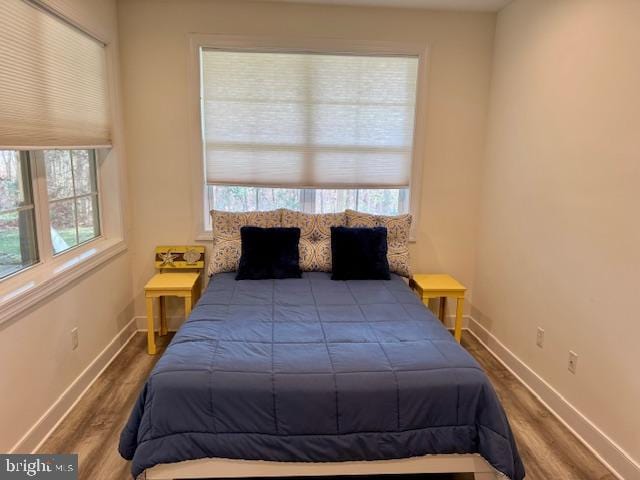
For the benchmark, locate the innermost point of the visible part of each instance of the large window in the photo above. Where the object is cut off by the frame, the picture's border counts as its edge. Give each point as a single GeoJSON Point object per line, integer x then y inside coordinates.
{"type": "Point", "coordinates": [67, 207]}
{"type": "Point", "coordinates": [307, 131]}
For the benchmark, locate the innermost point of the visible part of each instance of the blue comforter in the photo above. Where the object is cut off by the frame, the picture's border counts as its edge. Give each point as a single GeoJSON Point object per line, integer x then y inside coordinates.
{"type": "Point", "coordinates": [315, 370]}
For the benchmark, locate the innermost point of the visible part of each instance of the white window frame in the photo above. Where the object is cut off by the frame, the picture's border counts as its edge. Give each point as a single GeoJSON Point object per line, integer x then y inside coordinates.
{"type": "Point", "coordinates": [30, 286]}
{"type": "Point", "coordinates": [41, 209]}
{"type": "Point", "coordinates": [197, 42]}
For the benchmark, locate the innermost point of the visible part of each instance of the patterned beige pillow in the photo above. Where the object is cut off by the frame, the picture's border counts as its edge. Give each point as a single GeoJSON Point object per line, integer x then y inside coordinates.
{"type": "Point", "coordinates": [315, 237]}
{"type": "Point", "coordinates": [398, 228]}
{"type": "Point", "coordinates": [226, 235]}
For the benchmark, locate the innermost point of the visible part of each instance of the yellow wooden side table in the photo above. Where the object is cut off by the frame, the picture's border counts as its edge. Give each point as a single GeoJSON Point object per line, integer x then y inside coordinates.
{"type": "Point", "coordinates": [169, 283]}
{"type": "Point", "coordinates": [163, 285]}
{"type": "Point", "coordinates": [441, 286]}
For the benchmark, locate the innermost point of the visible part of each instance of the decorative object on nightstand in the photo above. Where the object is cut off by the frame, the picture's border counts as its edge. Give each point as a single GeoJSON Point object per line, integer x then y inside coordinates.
{"type": "Point", "coordinates": [441, 286]}
{"type": "Point", "coordinates": [174, 280]}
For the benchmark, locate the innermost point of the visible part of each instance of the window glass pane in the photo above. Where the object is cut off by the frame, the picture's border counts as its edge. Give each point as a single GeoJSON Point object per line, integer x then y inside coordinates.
{"type": "Point", "coordinates": [272, 198]}
{"type": "Point", "coordinates": [393, 201]}
{"type": "Point", "coordinates": [328, 201]}
{"type": "Point", "coordinates": [83, 172]}
{"type": "Point", "coordinates": [59, 173]}
{"type": "Point", "coordinates": [14, 192]}
{"type": "Point", "coordinates": [73, 198]}
{"type": "Point", "coordinates": [244, 199]}
{"type": "Point", "coordinates": [17, 241]}
{"type": "Point", "coordinates": [18, 246]}
{"type": "Point", "coordinates": [63, 225]}
{"type": "Point", "coordinates": [233, 198]}
{"type": "Point", "coordinates": [88, 224]}
{"type": "Point", "coordinates": [379, 201]}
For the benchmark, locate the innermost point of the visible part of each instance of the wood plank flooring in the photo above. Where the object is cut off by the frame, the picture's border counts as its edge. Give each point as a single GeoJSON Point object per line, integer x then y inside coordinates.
{"type": "Point", "coordinates": [92, 429]}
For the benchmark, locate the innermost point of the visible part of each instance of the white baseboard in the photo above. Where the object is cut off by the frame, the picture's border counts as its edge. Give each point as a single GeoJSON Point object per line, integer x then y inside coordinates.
{"type": "Point", "coordinates": [612, 455]}
{"type": "Point", "coordinates": [46, 424]}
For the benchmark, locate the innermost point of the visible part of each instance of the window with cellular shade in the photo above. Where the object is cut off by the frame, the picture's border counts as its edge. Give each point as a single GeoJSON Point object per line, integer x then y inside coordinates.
{"type": "Point", "coordinates": [308, 120]}
{"type": "Point", "coordinates": [53, 82]}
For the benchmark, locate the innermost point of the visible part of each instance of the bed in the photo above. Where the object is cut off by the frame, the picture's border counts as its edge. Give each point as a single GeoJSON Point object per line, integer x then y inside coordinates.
{"type": "Point", "coordinates": [312, 376]}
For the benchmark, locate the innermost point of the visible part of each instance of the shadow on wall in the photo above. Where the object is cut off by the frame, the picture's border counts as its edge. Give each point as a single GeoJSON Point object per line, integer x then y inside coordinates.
{"type": "Point", "coordinates": [484, 320]}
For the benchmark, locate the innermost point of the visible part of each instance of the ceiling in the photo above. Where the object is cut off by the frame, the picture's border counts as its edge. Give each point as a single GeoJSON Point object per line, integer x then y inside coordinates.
{"type": "Point", "coordinates": [476, 5]}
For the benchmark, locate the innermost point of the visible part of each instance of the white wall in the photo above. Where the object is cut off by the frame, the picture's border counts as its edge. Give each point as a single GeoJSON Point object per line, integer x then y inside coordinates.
{"type": "Point", "coordinates": [153, 36]}
{"type": "Point", "coordinates": [37, 363]}
{"type": "Point", "coordinates": [559, 236]}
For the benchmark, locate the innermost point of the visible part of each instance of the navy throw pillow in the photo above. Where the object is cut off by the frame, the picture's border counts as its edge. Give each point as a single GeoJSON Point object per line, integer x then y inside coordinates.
{"type": "Point", "coordinates": [269, 253]}
{"type": "Point", "coordinates": [359, 253]}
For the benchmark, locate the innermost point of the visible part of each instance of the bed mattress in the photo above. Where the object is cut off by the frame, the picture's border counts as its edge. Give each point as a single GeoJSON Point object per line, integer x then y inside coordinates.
{"type": "Point", "coordinates": [315, 370]}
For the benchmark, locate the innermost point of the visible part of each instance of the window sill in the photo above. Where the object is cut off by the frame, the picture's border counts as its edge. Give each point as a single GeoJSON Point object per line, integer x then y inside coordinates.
{"type": "Point", "coordinates": [30, 287]}
{"type": "Point", "coordinates": [207, 236]}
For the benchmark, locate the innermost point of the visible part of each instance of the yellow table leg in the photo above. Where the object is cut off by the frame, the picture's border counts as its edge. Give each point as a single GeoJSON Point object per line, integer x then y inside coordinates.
{"type": "Point", "coordinates": [429, 304]}
{"type": "Point", "coordinates": [163, 317]}
{"type": "Point", "coordinates": [458, 328]}
{"type": "Point", "coordinates": [443, 306]}
{"type": "Point", "coordinates": [151, 341]}
{"type": "Point", "coordinates": [197, 290]}
{"type": "Point", "coordinates": [187, 306]}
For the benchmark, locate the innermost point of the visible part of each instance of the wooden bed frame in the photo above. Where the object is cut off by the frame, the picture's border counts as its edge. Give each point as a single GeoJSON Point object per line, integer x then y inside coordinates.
{"type": "Point", "coordinates": [227, 468]}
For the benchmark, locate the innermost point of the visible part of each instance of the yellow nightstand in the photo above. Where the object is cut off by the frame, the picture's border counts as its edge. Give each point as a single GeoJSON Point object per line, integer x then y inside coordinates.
{"type": "Point", "coordinates": [184, 284]}
{"type": "Point", "coordinates": [441, 286]}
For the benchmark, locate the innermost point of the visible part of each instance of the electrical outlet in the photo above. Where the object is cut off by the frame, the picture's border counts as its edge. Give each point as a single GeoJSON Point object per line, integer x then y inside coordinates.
{"type": "Point", "coordinates": [74, 338]}
{"type": "Point", "coordinates": [540, 337]}
{"type": "Point", "coordinates": [573, 362]}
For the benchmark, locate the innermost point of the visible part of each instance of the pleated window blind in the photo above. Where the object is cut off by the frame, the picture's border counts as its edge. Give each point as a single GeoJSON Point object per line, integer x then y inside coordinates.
{"type": "Point", "coordinates": [308, 120]}
{"type": "Point", "coordinates": [53, 82]}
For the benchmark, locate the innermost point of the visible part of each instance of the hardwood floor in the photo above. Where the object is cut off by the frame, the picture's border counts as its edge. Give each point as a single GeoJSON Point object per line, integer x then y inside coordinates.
{"type": "Point", "coordinates": [548, 449]}
{"type": "Point", "coordinates": [92, 429]}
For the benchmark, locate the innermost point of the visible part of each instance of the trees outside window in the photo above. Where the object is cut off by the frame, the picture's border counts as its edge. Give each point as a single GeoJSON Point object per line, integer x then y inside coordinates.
{"type": "Point", "coordinates": [238, 198]}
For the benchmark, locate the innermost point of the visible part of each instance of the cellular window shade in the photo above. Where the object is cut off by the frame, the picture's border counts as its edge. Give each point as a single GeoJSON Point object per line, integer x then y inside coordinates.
{"type": "Point", "coordinates": [53, 87]}
{"type": "Point", "coordinates": [308, 120]}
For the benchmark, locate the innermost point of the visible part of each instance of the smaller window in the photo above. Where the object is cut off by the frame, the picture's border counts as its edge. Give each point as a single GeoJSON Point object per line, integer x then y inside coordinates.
{"type": "Point", "coordinates": [72, 188]}
{"type": "Point", "coordinates": [18, 245]}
